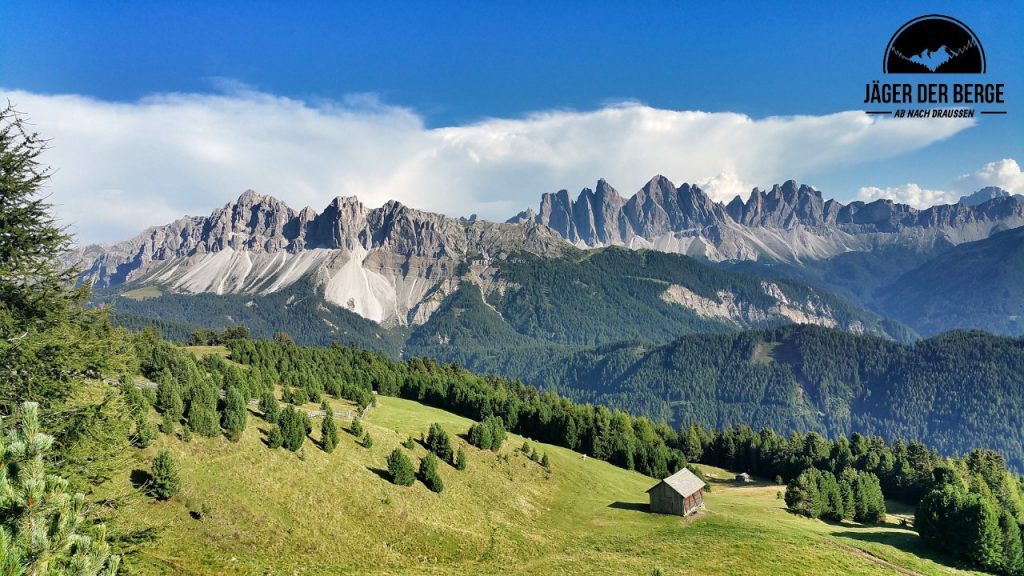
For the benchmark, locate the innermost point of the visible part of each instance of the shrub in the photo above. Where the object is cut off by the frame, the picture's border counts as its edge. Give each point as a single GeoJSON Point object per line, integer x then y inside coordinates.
{"type": "Point", "coordinates": [460, 459]}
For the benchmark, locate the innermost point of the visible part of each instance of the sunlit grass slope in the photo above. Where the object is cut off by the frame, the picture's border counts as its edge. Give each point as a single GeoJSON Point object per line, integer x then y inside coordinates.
{"type": "Point", "coordinates": [246, 509]}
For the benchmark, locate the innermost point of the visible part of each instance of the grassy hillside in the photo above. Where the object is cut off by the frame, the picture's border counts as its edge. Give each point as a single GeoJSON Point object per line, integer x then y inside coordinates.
{"type": "Point", "coordinates": [246, 509]}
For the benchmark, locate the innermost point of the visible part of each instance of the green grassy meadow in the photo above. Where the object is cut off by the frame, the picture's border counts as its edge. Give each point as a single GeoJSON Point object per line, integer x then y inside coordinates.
{"type": "Point", "coordinates": [247, 509]}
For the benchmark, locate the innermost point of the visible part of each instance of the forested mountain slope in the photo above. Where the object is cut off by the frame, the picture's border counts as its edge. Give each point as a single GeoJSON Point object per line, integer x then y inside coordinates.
{"type": "Point", "coordinates": [955, 391]}
{"type": "Point", "coordinates": [976, 285]}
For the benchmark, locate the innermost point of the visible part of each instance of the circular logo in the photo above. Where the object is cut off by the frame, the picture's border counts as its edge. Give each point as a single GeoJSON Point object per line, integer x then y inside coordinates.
{"type": "Point", "coordinates": [934, 44]}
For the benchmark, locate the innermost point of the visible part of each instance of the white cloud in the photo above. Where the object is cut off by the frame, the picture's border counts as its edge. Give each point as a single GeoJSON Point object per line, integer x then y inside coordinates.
{"type": "Point", "coordinates": [174, 154]}
{"type": "Point", "coordinates": [907, 194]}
{"type": "Point", "coordinates": [725, 186]}
{"type": "Point", "coordinates": [1005, 174]}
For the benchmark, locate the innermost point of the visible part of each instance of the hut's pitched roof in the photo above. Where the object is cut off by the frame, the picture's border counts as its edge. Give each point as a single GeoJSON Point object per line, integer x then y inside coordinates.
{"type": "Point", "coordinates": [683, 482]}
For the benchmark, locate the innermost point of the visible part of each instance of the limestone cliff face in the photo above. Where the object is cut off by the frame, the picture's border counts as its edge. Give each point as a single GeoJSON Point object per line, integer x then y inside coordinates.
{"type": "Point", "coordinates": [790, 222]}
{"type": "Point", "coordinates": [381, 263]}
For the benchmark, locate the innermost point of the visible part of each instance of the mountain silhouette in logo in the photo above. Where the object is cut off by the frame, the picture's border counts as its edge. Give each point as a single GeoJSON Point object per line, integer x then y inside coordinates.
{"type": "Point", "coordinates": [934, 44]}
{"type": "Point", "coordinates": [932, 60]}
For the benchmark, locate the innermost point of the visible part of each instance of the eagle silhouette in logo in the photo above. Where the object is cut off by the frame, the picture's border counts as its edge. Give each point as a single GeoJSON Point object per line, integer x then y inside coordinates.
{"type": "Point", "coordinates": [932, 59]}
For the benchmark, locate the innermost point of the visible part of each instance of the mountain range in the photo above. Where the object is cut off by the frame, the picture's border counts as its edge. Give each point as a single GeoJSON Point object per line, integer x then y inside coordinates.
{"type": "Point", "coordinates": [789, 223]}
{"type": "Point", "coordinates": [784, 255]}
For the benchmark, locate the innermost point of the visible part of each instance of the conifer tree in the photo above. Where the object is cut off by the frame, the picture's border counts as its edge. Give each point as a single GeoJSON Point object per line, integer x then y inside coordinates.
{"type": "Point", "coordinates": [145, 432]}
{"type": "Point", "coordinates": [165, 482]}
{"type": "Point", "coordinates": [269, 406]}
{"type": "Point", "coordinates": [400, 468]}
{"type": "Point", "coordinates": [1013, 548]}
{"type": "Point", "coordinates": [275, 439]}
{"type": "Point", "coordinates": [328, 429]}
{"type": "Point", "coordinates": [429, 474]}
{"type": "Point", "coordinates": [460, 459]}
{"type": "Point", "coordinates": [367, 441]}
{"type": "Point", "coordinates": [202, 410]}
{"type": "Point", "coordinates": [356, 428]}
{"type": "Point", "coordinates": [544, 461]}
{"type": "Point", "coordinates": [42, 527]}
{"type": "Point", "coordinates": [235, 414]}
{"type": "Point", "coordinates": [439, 443]}
{"type": "Point", "coordinates": [173, 410]}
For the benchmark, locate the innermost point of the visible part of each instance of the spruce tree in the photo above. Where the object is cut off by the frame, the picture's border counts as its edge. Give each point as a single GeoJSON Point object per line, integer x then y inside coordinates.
{"type": "Point", "coordinates": [356, 428]}
{"type": "Point", "coordinates": [173, 410]}
{"type": "Point", "coordinates": [439, 443]}
{"type": "Point", "coordinates": [1013, 548]}
{"type": "Point", "coordinates": [235, 414]}
{"type": "Point", "coordinates": [43, 529]}
{"type": "Point", "coordinates": [165, 482]}
{"type": "Point", "coordinates": [429, 474]}
{"type": "Point", "coordinates": [42, 345]}
{"type": "Point", "coordinates": [497, 429]}
{"type": "Point", "coordinates": [269, 406]}
{"type": "Point", "coordinates": [145, 432]}
{"type": "Point", "coordinates": [328, 429]}
{"type": "Point", "coordinates": [367, 441]}
{"type": "Point", "coordinates": [202, 411]}
{"type": "Point", "coordinates": [400, 468]}
{"type": "Point", "coordinates": [545, 462]}
{"type": "Point", "coordinates": [460, 459]}
{"type": "Point", "coordinates": [294, 426]}
{"type": "Point", "coordinates": [275, 439]}
{"type": "Point", "coordinates": [983, 539]}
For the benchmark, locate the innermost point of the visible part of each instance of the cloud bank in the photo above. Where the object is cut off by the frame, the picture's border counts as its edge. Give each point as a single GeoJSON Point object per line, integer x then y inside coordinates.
{"type": "Point", "coordinates": [1005, 174]}
{"type": "Point", "coordinates": [123, 166]}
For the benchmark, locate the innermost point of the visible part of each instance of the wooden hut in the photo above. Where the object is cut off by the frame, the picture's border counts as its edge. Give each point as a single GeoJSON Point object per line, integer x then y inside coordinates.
{"type": "Point", "coordinates": [681, 494]}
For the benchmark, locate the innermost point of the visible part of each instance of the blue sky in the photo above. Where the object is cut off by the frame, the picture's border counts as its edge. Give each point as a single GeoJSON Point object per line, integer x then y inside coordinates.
{"type": "Point", "coordinates": [452, 64]}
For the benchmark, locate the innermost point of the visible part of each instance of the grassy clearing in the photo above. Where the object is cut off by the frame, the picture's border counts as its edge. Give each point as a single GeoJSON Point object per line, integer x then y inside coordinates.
{"type": "Point", "coordinates": [204, 351]}
{"type": "Point", "coordinates": [274, 512]}
{"type": "Point", "coordinates": [142, 293]}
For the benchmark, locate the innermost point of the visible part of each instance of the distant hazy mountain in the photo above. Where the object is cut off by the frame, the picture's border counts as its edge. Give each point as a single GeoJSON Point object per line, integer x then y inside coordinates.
{"type": "Point", "coordinates": [789, 223]}
{"type": "Point", "coordinates": [974, 285]}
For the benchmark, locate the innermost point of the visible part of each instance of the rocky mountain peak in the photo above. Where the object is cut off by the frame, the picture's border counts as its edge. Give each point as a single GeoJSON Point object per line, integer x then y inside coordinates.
{"type": "Point", "coordinates": [788, 222]}
{"type": "Point", "coordinates": [984, 195]}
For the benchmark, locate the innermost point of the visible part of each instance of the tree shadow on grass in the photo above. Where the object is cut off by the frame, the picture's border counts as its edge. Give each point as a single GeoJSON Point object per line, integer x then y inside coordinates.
{"type": "Point", "coordinates": [637, 506]}
{"type": "Point", "coordinates": [904, 540]}
{"type": "Point", "coordinates": [140, 479]}
{"type": "Point", "coordinates": [382, 472]}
